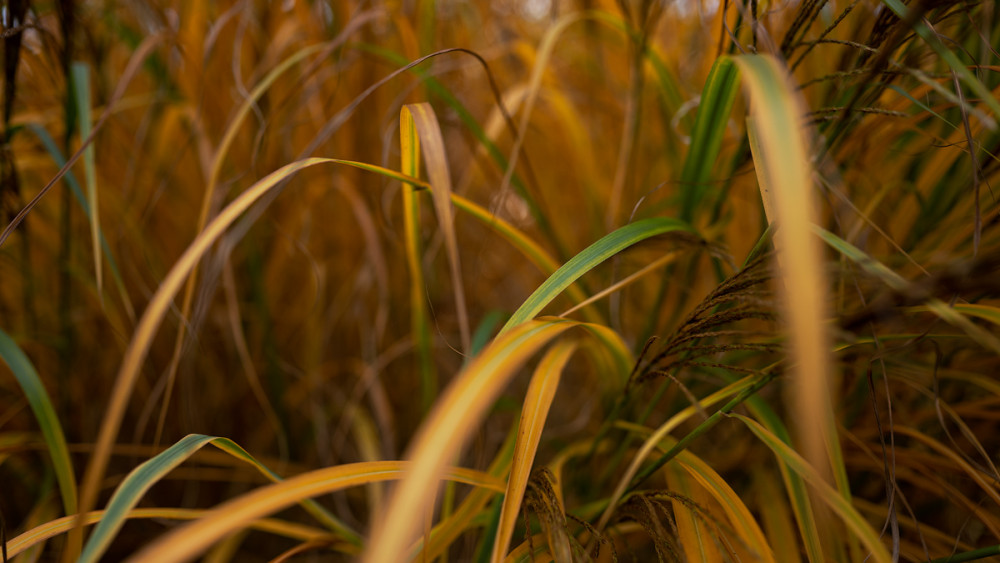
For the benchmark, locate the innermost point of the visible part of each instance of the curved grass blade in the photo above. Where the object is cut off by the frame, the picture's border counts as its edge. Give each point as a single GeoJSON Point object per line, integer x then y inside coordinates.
{"type": "Point", "coordinates": [53, 528]}
{"type": "Point", "coordinates": [140, 479]}
{"type": "Point", "coordinates": [854, 521]}
{"type": "Point", "coordinates": [41, 406]}
{"type": "Point", "coordinates": [191, 539]}
{"type": "Point", "coordinates": [693, 523]}
{"type": "Point", "coordinates": [606, 247]}
{"type": "Point", "coordinates": [453, 419]}
{"type": "Point", "coordinates": [738, 388]}
{"type": "Point", "coordinates": [422, 117]}
{"type": "Point", "coordinates": [538, 399]}
{"type": "Point", "coordinates": [754, 543]}
{"type": "Point", "coordinates": [156, 310]}
{"type": "Point", "coordinates": [435, 87]}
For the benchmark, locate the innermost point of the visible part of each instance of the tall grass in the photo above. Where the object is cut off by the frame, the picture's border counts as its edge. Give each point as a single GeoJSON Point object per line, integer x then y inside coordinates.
{"type": "Point", "coordinates": [500, 281]}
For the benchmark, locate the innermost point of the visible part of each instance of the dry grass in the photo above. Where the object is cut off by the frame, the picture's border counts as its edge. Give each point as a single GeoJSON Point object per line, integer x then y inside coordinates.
{"type": "Point", "coordinates": [572, 280]}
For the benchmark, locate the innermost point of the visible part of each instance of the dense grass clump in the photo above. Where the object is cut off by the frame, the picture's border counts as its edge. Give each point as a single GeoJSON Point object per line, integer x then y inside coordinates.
{"type": "Point", "coordinates": [687, 280]}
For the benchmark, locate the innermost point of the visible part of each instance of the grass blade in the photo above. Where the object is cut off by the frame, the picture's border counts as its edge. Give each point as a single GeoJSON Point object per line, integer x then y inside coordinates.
{"type": "Point", "coordinates": [453, 419]}
{"type": "Point", "coordinates": [589, 258]}
{"type": "Point", "coordinates": [425, 121]}
{"type": "Point", "coordinates": [780, 153]}
{"type": "Point", "coordinates": [188, 541]}
{"type": "Point", "coordinates": [156, 310]}
{"type": "Point", "coordinates": [409, 143]}
{"type": "Point", "coordinates": [717, 100]}
{"type": "Point", "coordinates": [538, 399]}
{"type": "Point", "coordinates": [58, 526]}
{"type": "Point", "coordinates": [753, 545]}
{"type": "Point", "coordinates": [140, 479]}
{"type": "Point", "coordinates": [81, 86]}
{"type": "Point", "coordinates": [855, 522]}
{"type": "Point", "coordinates": [41, 406]}
{"type": "Point", "coordinates": [693, 529]}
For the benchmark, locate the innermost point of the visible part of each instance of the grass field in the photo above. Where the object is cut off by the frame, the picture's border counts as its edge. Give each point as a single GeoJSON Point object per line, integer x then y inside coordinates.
{"type": "Point", "coordinates": [521, 280]}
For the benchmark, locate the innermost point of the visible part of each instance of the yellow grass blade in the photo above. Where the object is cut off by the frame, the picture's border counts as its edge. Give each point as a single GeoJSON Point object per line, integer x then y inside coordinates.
{"type": "Point", "coordinates": [694, 533]}
{"type": "Point", "coordinates": [537, 401]}
{"type": "Point", "coordinates": [153, 316]}
{"type": "Point", "coordinates": [752, 544]}
{"type": "Point", "coordinates": [53, 528]}
{"type": "Point", "coordinates": [445, 532]}
{"type": "Point", "coordinates": [81, 85]}
{"type": "Point", "coordinates": [409, 144]}
{"type": "Point", "coordinates": [782, 159]}
{"type": "Point", "coordinates": [780, 149]}
{"type": "Point", "coordinates": [191, 539]}
{"type": "Point", "coordinates": [854, 522]}
{"type": "Point", "coordinates": [658, 435]}
{"type": "Point", "coordinates": [425, 121]}
{"type": "Point", "coordinates": [453, 419]}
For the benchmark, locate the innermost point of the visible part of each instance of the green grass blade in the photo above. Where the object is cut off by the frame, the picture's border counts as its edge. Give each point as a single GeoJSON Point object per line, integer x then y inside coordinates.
{"type": "Point", "coordinates": [717, 100]}
{"type": "Point", "coordinates": [186, 542]}
{"type": "Point", "coordinates": [45, 414]}
{"type": "Point", "coordinates": [589, 258]}
{"type": "Point", "coordinates": [131, 490]}
{"type": "Point", "coordinates": [140, 479]}
{"type": "Point", "coordinates": [81, 86]}
{"type": "Point", "coordinates": [53, 149]}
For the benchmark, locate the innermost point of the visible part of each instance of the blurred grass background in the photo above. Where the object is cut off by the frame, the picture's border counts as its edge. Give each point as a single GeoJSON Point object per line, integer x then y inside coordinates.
{"type": "Point", "coordinates": [822, 389]}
